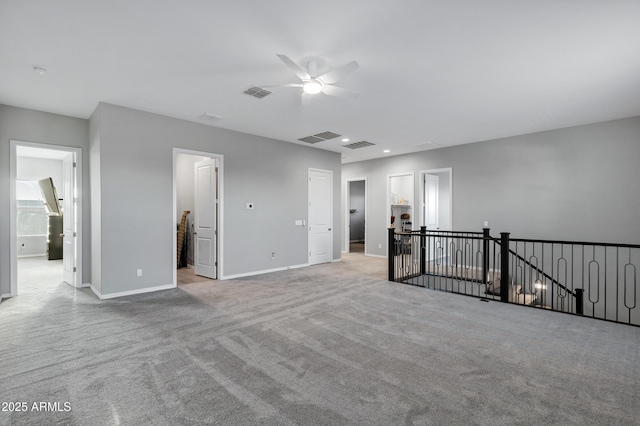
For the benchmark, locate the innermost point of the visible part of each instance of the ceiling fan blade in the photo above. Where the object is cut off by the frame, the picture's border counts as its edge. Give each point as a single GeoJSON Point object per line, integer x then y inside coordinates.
{"type": "Point", "coordinates": [339, 91]}
{"type": "Point", "coordinates": [302, 74]}
{"type": "Point", "coordinates": [335, 75]}
{"type": "Point", "coordinates": [306, 98]}
{"type": "Point", "coordinates": [270, 86]}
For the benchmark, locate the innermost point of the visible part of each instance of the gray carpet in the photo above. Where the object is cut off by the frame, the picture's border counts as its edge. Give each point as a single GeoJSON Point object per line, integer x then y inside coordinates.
{"type": "Point", "coordinates": [331, 344]}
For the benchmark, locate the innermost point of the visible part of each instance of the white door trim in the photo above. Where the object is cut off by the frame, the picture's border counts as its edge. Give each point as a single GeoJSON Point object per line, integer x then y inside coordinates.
{"type": "Point", "coordinates": [347, 218]}
{"type": "Point", "coordinates": [422, 200]}
{"type": "Point", "coordinates": [330, 172]}
{"type": "Point", "coordinates": [220, 239]}
{"type": "Point", "coordinates": [13, 250]}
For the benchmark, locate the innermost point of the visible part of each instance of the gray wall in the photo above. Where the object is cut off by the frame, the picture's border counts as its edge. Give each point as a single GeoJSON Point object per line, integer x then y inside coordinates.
{"type": "Point", "coordinates": [40, 127]}
{"type": "Point", "coordinates": [356, 201]}
{"type": "Point", "coordinates": [135, 154]}
{"type": "Point", "coordinates": [578, 183]}
{"type": "Point", "coordinates": [96, 200]}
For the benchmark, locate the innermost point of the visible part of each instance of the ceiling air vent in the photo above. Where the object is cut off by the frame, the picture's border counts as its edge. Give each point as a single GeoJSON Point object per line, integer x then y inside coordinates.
{"type": "Point", "coordinates": [257, 92]}
{"type": "Point", "coordinates": [311, 139]}
{"type": "Point", "coordinates": [327, 135]}
{"type": "Point", "coordinates": [320, 137]}
{"type": "Point", "coordinates": [358, 145]}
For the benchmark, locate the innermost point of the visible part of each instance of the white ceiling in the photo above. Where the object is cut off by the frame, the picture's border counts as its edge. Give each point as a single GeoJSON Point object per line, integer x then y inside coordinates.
{"type": "Point", "coordinates": [445, 72]}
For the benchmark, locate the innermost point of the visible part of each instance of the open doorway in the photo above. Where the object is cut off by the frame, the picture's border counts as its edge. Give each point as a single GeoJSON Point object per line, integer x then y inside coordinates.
{"type": "Point", "coordinates": [436, 193]}
{"type": "Point", "coordinates": [45, 221]}
{"type": "Point", "coordinates": [197, 215]}
{"type": "Point", "coordinates": [356, 216]}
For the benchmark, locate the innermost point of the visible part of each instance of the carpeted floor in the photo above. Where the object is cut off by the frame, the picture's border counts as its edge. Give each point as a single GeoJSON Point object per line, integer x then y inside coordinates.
{"type": "Point", "coordinates": [331, 344]}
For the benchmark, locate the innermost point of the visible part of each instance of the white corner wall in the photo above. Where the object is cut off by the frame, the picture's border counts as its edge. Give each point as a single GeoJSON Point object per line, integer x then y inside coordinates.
{"type": "Point", "coordinates": [43, 128]}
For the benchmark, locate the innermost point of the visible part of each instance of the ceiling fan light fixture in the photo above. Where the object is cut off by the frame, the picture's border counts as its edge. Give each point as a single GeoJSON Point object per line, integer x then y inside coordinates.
{"type": "Point", "coordinates": [313, 86]}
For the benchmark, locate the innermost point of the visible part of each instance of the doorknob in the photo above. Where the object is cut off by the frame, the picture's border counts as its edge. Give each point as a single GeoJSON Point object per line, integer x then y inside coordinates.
{"type": "Point", "coordinates": [61, 235]}
{"type": "Point", "coordinates": [329, 229]}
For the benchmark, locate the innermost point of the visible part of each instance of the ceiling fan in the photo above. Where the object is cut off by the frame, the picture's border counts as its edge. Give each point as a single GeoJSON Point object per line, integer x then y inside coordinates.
{"type": "Point", "coordinates": [312, 83]}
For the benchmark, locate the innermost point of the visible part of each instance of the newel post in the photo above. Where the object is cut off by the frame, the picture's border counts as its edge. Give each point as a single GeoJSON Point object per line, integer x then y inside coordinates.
{"type": "Point", "coordinates": [504, 267]}
{"type": "Point", "coordinates": [391, 253]}
{"type": "Point", "coordinates": [423, 250]}
{"type": "Point", "coordinates": [485, 254]}
{"type": "Point", "coordinates": [579, 292]}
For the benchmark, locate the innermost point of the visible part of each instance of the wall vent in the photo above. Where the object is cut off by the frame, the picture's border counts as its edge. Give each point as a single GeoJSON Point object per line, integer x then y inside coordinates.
{"type": "Point", "coordinates": [320, 137]}
{"type": "Point", "coordinates": [358, 145]}
{"type": "Point", "coordinates": [257, 92]}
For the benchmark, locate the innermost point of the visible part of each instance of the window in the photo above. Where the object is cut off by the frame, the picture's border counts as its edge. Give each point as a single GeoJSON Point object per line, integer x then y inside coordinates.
{"type": "Point", "coordinates": [31, 215]}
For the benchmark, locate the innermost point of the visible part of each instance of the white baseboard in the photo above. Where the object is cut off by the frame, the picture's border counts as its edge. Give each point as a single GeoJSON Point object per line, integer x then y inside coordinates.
{"type": "Point", "coordinates": [131, 292]}
{"type": "Point", "coordinates": [375, 255]}
{"type": "Point", "coordinates": [266, 271]}
{"type": "Point", "coordinates": [336, 260]}
{"type": "Point", "coordinates": [31, 255]}
{"type": "Point", "coordinates": [85, 285]}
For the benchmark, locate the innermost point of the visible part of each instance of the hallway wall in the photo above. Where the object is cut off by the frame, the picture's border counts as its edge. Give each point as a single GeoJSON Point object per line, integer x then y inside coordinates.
{"type": "Point", "coordinates": [577, 183]}
{"type": "Point", "coordinates": [34, 126]}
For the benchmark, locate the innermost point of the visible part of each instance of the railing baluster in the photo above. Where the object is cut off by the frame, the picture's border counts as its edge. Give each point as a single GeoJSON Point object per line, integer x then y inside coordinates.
{"type": "Point", "coordinates": [565, 276]}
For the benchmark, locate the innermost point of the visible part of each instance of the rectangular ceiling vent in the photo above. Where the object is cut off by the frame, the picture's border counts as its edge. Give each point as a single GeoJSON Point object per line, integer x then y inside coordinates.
{"type": "Point", "coordinates": [257, 92]}
{"type": "Point", "coordinates": [327, 135]}
{"type": "Point", "coordinates": [320, 137]}
{"type": "Point", "coordinates": [311, 139]}
{"type": "Point", "coordinates": [358, 145]}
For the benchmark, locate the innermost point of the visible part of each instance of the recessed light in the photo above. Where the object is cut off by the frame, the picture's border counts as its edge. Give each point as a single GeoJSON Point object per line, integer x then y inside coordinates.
{"type": "Point", "coordinates": [345, 140]}
{"type": "Point", "coordinates": [386, 151]}
{"type": "Point", "coordinates": [39, 70]}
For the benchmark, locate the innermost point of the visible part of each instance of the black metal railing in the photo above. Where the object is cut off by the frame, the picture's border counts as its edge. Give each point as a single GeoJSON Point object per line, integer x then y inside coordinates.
{"type": "Point", "coordinates": [584, 278]}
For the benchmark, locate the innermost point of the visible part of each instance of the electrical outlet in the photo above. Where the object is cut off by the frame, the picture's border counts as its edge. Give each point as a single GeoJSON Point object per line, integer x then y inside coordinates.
{"type": "Point", "coordinates": [249, 206]}
{"type": "Point", "coordinates": [379, 245]}
{"type": "Point", "coordinates": [139, 272]}
{"type": "Point", "coordinates": [273, 255]}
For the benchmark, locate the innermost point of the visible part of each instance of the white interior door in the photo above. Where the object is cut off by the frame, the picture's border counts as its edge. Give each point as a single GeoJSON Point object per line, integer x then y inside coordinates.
{"type": "Point", "coordinates": [320, 216]}
{"type": "Point", "coordinates": [205, 218]}
{"type": "Point", "coordinates": [431, 185]}
{"type": "Point", "coordinates": [69, 221]}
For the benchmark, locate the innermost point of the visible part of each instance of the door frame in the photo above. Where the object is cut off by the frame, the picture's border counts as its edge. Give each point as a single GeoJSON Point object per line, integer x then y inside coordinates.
{"type": "Point", "coordinates": [448, 170]}
{"type": "Point", "coordinates": [347, 217]}
{"type": "Point", "coordinates": [220, 215]}
{"type": "Point", "coordinates": [330, 172]}
{"type": "Point", "coordinates": [13, 250]}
